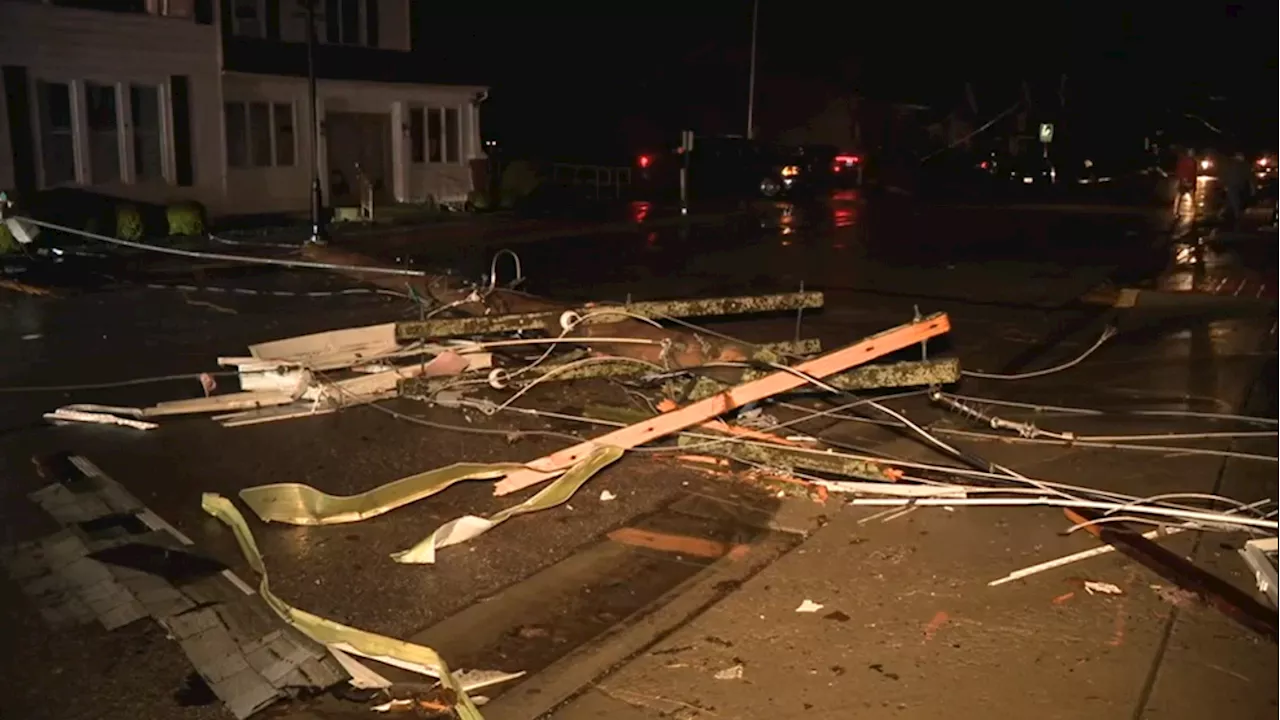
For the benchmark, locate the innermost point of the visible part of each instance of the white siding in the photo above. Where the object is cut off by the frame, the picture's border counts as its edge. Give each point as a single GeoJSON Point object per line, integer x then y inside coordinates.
{"type": "Point", "coordinates": [277, 189]}
{"type": "Point", "coordinates": [72, 45]}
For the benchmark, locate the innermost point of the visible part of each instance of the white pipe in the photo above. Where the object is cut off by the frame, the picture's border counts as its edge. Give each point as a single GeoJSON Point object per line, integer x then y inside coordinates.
{"type": "Point", "coordinates": [1074, 557]}
{"type": "Point", "coordinates": [1211, 517]}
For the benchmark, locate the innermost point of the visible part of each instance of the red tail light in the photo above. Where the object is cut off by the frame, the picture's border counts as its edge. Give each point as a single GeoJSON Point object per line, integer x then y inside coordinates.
{"type": "Point", "coordinates": [847, 160]}
{"type": "Point", "coordinates": [644, 161]}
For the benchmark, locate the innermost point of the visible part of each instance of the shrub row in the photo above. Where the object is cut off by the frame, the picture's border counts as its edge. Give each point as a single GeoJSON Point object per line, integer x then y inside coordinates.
{"type": "Point", "coordinates": [182, 219]}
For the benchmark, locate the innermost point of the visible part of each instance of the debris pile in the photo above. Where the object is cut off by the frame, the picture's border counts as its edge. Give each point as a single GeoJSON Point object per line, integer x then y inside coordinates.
{"type": "Point", "coordinates": [704, 392]}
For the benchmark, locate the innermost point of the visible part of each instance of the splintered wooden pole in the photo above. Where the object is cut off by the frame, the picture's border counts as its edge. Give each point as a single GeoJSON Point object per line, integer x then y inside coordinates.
{"type": "Point", "coordinates": [670, 348]}
{"type": "Point", "coordinates": [879, 345]}
{"type": "Point", "coordinates": [600, 313]}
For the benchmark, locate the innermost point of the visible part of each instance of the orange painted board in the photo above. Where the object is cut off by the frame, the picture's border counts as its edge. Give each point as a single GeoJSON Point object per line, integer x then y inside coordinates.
{"type": "Point", "coordinates": [832, 363]}
{"type": "Point", "coordinates": [676, 544]}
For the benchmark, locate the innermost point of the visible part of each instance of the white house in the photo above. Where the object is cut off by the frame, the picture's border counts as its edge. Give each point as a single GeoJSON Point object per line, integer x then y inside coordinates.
{"type": "Point", "coordinates": [161, 100]}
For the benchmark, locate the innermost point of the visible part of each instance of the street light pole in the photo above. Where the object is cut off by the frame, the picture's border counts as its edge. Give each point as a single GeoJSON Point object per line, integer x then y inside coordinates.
{"type": "Point", "coordinates": [317, 199]}
{"type": "Point", "coordinates": [751, 78]}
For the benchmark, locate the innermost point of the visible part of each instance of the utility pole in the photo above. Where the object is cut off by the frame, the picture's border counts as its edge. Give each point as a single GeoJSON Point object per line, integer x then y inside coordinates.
{"type": "Point", "coordinates": [751, 78]}
{"type": "Point", "coordinates": [317, 199]}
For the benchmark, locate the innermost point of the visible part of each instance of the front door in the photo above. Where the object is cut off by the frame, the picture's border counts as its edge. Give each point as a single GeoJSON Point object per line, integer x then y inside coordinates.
{"type": "Point", "coordinates": [359, 147]}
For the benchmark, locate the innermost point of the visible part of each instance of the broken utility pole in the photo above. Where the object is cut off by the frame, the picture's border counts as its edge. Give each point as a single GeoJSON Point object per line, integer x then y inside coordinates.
{"type": "Point", "coordinates": [670, 348]}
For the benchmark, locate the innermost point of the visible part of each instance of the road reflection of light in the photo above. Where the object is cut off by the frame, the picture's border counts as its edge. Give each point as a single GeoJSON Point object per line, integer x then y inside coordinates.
{"type": "Point", "coordinates": [1185, 255]}
{"type": "Point", "coordinates": [786, 220]}
{"type": "Point", "coordinates": [639, 211]}
{"type": "Point", "coordinates": [842, 217]}
{"type": "Point", "coordinates": [651, 239]}
{"type": "Point", "coordinates": [299, 541]}
{"type": "Point", "coordinates": [845, 195]}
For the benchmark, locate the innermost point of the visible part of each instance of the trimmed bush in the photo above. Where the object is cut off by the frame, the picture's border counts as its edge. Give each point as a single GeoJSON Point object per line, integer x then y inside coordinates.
{"type": "Point", "coordinates": [8, 243]}
{"type": "Point", "coordinates": [186, 219]}
{"type": "Point", "coordinates": [478, 200]}
{"type": "Point", "coordinates": [519, 180]}
{"type": "Point", "coordinates": [128, 222]}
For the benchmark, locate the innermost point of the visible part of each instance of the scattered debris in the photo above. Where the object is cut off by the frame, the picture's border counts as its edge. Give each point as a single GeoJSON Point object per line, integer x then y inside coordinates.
{"type": "Point", "coordinates": [399, 653]}
{"type": "Point", "coordinates": [809, 606]}
{"type": "Point", "coordinates": [939, 619]}
{"type": "Point", "coordinates": [312, 375]}
{"type": "Point", "coordinates": [208, 384]}
{"type": "Point", "coordinates": [696, 413]}
{"type": "Point", "coordinates": [1094, 587]}
{"type": "Point", "coordinates": [67, 415]}
{"type": "Point", "coordinates": [731, 673]}
{"type": "Point", "coordinates": [95, 570]}
{"type": "Point", "coordinates": [606, 496]}
{"type": "Point", "coordinates": [1260, 555]}
{"type": "Point", "coordinates": [1176, 596]}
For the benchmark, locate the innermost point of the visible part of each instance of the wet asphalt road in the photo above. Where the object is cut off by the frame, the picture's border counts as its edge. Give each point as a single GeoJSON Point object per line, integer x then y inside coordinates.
{"type": "Point", "coordinates": [1010, 278]}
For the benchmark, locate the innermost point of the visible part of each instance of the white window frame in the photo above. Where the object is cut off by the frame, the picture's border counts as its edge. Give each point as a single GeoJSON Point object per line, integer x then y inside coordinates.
{"type": "Point", "coordinates": [441, 113]}
{"type": "Point", "coordinates": [163, 125]}
{"type": "Point", "coordinates": [78, 169]}
{"type": "Point", "coordinates": [275, 127]}
{"type": "Point", "coordinates": [422, 134]}
{"type": "Point", "coordinates": [249, 28]}
{"type": "Point", "coordinates": [457, 140]}
{"type": "Point", "coordinates": [124, 162]}
{"type": "Point", "coordinates": [362, 32]}
{"type": "Point", "coordinates": [273, 139]}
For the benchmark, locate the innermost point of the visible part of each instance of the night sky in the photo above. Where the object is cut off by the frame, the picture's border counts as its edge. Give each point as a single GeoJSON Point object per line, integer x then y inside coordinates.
{"type": "Point", "coordinates": [567, 74]}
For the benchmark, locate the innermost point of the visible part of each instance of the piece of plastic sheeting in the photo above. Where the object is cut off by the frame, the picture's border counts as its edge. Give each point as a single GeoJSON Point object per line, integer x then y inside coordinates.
{"type": "Point", "coordinates": [298, 504]}
{"type": "Point", "coordinates": [328, 632]}
{"type": "Point", "coordinates": [470, 526]}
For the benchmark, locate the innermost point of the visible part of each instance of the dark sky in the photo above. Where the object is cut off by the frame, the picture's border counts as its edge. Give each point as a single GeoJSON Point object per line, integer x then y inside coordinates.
{"type": "Point", "coordinates": [563, 70]}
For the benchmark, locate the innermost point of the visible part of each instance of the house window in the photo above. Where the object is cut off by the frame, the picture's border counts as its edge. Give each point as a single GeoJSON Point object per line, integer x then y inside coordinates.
{"type": "Point", "coordinates": [104, 132]}
{"type": "Point", "coordinates": [144, 103]}
{"type": "Point", "coordinates": [348, 22]}
{"type": "Point", "coordinates": [171, 8]}
{"type": "Point", "coordinates": [452, 136]}
{"type": "Point", "coordinates": [247, 18]}
{"type": "Point", "coordinates": [260, 134]}
{"type": "Point", "coordinates": [417, 140]}
{"type": "Point", "coordinates": [435, 139]}
{"type": "Point", "coordinates": [57, 144]}
{"type": "Point", "coordinates": [282, 115]}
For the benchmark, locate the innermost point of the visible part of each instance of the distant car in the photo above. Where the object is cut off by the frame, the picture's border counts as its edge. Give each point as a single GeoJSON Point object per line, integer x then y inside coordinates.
{"type": "Point", "coordinates": [1265, 167]}
{"type": "Point", "coordinates": [1031, 170]}
{"type": "Point", "coordinates": [728, 166]}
